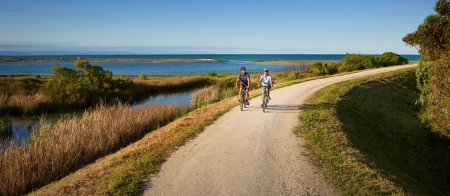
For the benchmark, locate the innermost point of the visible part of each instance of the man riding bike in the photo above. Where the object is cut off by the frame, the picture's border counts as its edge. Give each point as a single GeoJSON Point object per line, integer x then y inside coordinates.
{"type": "Point", "coordinates": [244, 79]}
{"type": "Point", "coordinates": [266, 81]}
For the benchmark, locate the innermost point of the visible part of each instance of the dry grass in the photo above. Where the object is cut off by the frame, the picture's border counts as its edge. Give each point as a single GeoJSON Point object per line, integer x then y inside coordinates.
{"type": "Point", "coordinates": [366, 136]}
{"type": "Point", "coordinates": [73, 142]}
{"type": "Point", "coordinates": [204, 96]}
{"type": "Point", "coordinates": [123, 172]}
{"type": "Point", "coordinates": [161, 83]}
{"type": "Point", "coordinates": [23, 103]}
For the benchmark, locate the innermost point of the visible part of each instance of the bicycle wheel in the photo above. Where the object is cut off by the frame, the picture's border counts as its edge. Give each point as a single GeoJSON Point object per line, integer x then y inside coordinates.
{"type": "Point", "coordinates": [266, 100]}
{"type": "Point", "coordinates": [242, 102]}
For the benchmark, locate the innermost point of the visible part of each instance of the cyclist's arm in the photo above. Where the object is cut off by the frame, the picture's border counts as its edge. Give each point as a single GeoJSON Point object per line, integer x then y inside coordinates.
{"type": "Point", "coordinates": [237, 81]}
{"type": "Point", "coordinates": [248, 85]}
{"type": "Point", "coordinates": [260, 79]}
{"type": "Point", "coordinates": [271, 84]}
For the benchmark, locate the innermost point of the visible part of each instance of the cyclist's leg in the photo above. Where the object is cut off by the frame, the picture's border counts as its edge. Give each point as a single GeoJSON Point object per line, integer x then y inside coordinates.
{"type": "Point", "coordinates": [240, 93]}
{"type": "Point", "coordinates": [263, 90]}
{"type": "Point", "coordinates": [246, 90]}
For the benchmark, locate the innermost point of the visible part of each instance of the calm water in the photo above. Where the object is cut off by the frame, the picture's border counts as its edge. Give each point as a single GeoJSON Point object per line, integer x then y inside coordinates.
{"type": "Point", "coordinates": [230, 63]}
{"type": "Point", "coordinates": [21, 129]}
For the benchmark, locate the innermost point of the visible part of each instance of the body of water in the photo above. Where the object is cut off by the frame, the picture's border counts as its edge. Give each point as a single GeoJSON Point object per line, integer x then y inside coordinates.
{"type": "Point", "coordinates": [21, 125]}
{"type": "Point", "coordinates": [229, 63]}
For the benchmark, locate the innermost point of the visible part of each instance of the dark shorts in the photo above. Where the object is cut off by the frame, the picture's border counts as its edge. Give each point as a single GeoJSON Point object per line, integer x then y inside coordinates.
{"type": "Point", "coordinates": [243, 86]}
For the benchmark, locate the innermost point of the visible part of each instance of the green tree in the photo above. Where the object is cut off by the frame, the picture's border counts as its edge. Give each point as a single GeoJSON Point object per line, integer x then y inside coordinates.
{"type": "Point", "coordinates": [83, 85]}
{"type": "Point", "coordinates": [432, 37]}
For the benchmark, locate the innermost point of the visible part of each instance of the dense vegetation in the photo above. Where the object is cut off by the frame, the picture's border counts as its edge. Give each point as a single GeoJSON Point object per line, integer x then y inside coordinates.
{"type": "Point", "coordinates": [366, 136]}
{"type": "Point", "coordinates": [84, 85]}
{"type": "Point", "coordinates": [223, 86]}
{"type": "Point", "coordinates": [432, 38]}
{"type": "Point", "coordinates": [58, 149]}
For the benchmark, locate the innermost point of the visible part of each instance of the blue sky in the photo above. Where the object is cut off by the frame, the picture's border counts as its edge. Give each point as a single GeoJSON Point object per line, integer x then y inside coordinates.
{"type": "Point", "coordinates": [215, 26]}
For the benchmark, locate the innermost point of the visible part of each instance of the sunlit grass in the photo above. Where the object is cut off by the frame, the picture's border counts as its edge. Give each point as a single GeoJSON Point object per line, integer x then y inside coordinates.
{"type": "Point", "coordinates": [367, 138]}
{"type": "Point", "coordinates": [56, 150]}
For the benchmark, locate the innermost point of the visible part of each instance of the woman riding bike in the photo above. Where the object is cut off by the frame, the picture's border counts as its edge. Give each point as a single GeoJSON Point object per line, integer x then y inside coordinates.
{"type": "Point", "coordinates": [266, 81]}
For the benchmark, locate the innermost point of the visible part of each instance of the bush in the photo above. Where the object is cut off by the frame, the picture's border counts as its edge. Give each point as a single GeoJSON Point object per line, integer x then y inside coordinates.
{"type": "Point", "coordinates": [212, 74]}
{"type": "Point", "coordinates": [84, 85]}
{"type": "Point", "coordinates": [439, 95]}
{"type": "Point", "coordinates": [423, 76]}
{"type": "Point", "coordinates": [320, 69]}
{"type": "Point", "coordinates": [433, 42]}
{"type": "Point", "coordinates": [142, 76]}
{"type": "Point", "coordinates": [353, 62]}
{"type": "Point", "coordinates": [390, 58]}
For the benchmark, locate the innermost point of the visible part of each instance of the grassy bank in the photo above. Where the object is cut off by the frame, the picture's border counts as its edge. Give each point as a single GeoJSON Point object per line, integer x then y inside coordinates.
{"type": "Point", "coordinates": [367, 138]}
{"type": "Point", "coordinates": [73, 142]}
{"type": "Point", "coordinates": [124, 172]}
{"type": "Point", "coordinates": [25, 95]}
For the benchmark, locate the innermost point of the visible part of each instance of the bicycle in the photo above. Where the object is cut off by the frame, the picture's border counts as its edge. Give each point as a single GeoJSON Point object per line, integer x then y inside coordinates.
{"type": "Point", "coordinates": [243, 98]}
{"type": "Point", "coordinates": [265, 99]}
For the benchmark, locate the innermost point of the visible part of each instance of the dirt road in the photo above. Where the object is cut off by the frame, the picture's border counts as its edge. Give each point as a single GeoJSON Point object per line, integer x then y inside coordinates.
{"type": "Point", "coordinates": [251, 152]}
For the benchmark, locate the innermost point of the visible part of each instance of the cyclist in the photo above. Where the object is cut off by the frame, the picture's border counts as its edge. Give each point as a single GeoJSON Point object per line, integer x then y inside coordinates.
{"type": "Point", "coordinates": [244, 78]}
{"type": "Point", "coordinates": [266, 81]}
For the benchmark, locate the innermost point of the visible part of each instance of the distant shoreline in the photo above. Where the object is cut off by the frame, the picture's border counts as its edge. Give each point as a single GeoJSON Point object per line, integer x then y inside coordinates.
{"type": "Point", "coordinates": [293, 62]}
{"type": "Point", "coordinates": [158, 60]}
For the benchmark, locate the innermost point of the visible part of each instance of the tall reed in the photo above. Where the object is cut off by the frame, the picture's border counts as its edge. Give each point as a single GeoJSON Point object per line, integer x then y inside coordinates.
{"type": "Point", "coordinates": [61, 148]}
{"type": "Point", "coordinates": [23, 103]}
{"type": "Point", "coordinates": [157, 84]}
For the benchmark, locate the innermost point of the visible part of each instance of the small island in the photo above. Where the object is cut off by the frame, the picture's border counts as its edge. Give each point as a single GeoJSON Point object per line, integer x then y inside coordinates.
{"type": "Point", "coordinates": [156, 60]}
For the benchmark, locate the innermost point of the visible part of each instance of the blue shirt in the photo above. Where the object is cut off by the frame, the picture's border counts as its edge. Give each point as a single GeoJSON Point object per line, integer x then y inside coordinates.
{"type": "Point", "coordinates": [244, 78]}
{"type": "Point", "coordinates": [265, 80]}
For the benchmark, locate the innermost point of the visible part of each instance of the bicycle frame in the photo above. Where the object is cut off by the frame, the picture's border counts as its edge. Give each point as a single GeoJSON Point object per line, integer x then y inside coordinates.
{"type": "Point", "coordinates": [243, 98]}
{"type": "Point", "coordinates": [265, 98]}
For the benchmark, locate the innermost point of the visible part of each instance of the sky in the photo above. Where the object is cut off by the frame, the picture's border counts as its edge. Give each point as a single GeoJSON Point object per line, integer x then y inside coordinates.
{"type": "Point", "coordinates": [211, 27]}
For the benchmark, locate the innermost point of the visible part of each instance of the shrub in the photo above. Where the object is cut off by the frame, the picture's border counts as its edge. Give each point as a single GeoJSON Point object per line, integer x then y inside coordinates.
{"type": "Point", "coordinates": [212, 74]}
{"type": "Point", "coordinates": [320, 69]}
{"type": "Point", "coordinates": [433, 42]}
{"type": "Point", "coordinates": [84, 85]}
{"type": "Point", "coordinates": [439, 95]}
{"type": "Point", "coordinates": [142, 76]}
{"type": "Point", "coordinates": [390, 58]}
{"type": "Point", "coordinates": [423, 76]}
{"type": "Point", "coordinates": [353, 62]}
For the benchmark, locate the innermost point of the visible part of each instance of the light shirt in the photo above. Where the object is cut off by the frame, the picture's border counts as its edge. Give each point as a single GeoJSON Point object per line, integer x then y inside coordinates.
{"type": "Point", "coordinates": [265, 80]}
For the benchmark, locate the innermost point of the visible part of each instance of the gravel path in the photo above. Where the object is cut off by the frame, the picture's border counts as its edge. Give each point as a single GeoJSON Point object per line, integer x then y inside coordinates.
{"type": "Point", "coordinates": [251, 152]}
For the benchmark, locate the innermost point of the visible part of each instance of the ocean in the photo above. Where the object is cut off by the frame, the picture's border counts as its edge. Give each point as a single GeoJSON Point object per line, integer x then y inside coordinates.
{"type": "Point", "coordinates": [229, 63]}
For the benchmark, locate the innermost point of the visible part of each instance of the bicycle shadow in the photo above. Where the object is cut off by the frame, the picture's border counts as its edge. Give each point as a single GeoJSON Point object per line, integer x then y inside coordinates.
{"type": "Point", "coordinates": [285, 108]}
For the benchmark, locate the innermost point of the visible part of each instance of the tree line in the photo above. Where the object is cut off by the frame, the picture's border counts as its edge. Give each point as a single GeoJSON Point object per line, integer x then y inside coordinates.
{"type": "Point", "coordinates": [432, 39]}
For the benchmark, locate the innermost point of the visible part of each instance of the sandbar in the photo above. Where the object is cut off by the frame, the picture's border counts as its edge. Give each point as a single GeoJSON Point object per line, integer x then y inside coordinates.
{"type": "Point", "coordinates": [159, 60]}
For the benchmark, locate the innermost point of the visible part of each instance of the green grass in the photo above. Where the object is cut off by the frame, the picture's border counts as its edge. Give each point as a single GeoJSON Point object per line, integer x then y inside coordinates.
{"type": "Point", "coordinates": [366, 136]}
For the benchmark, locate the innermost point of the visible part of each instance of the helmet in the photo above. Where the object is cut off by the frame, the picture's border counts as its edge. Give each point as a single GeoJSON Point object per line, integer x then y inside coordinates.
{"type": "Point", "coordinates": [265, 70]}
{"type": "Point", "coordinates": [243, 68]}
